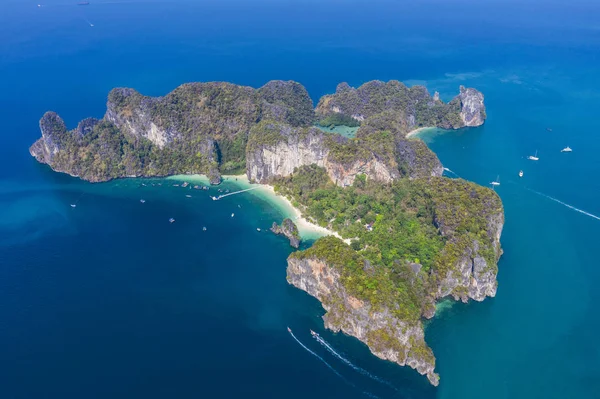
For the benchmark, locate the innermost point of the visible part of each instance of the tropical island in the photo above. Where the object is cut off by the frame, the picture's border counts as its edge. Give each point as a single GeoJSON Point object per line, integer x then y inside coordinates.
{"type": "Point", "coordinates": [407, 237]}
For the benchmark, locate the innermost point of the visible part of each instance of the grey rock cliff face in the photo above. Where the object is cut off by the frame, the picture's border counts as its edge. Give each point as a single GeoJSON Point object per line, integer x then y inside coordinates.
{"type": "Point", "coordinates": [53, 130]}
{"type": "Point", "coordinates": [137, 120]}
{"type": "Point", "coordinates": [474, 276]}
{"type": "Point", "coordinates": [386, 336]}
{"type": "Point", "coordinates": [373, 168]}
{"type": "Point", "coordinates": [416, 160]}
{"type": "Point", "coordinates": [472, 110]}
{"type": "Point", "coordinates": [298, 147]}
{"type": "Point", "coordinates": [281, 158]}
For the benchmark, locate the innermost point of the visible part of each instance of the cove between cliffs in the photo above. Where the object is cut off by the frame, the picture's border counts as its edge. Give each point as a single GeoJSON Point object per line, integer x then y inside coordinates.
{"type": "Point", "coordinates": [307, 229]}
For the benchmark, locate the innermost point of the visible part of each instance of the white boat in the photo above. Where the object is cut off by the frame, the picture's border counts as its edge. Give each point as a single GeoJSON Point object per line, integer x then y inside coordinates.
{"type": "Point", "coordinates": [566, 149]}
{"type": "Point", "coordinates": [171, 220]}
{"type": "Point", "coordinates": [257, 229]}
{"type": "Point", "coordinates": [204, 228]}
{"type": "Point", "coordinates": [314, 334]}
{"type": "Point", "coordinates": [142, 201]}
{"type": "Point", "coordinates": [520, 173]}
{"type": "Point", "coordinates": [496, 182]}
{"type": "Point", "coordinates": [188, 196]}
{"type": "Point", "coordinates": [73, 206]}
{"type": "Point", "coordinates": [289, 330]}
{"type": "Point", "coordinates": [233, 214]}
{"type": "Point", "coordinates": [533, 157]}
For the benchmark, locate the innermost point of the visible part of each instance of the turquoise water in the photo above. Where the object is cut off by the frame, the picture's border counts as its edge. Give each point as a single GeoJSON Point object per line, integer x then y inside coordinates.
{"type": "Point", "coordinates": [109, 299]}
{"type": "Point", "coordinates": [345, 131]}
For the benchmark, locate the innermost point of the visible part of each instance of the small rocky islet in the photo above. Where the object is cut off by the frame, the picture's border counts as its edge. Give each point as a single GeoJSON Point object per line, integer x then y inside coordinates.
{"type": "Point", "coordinates": [415, 236]}
{"type": "Point", "coordinates": [288, 229]}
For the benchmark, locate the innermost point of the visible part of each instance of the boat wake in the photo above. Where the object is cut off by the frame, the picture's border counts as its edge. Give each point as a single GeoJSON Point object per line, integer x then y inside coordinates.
{"type": "Point", "coordinates": [451, 172]}
{"type": "Point", "coordinates": [360, 370]}
{"type": "Point", "coordinates": [564, 204]}
{"type": "Point", "coordinates": [319, 357]}
{"type": "Point", "coordinates": [368, 394]}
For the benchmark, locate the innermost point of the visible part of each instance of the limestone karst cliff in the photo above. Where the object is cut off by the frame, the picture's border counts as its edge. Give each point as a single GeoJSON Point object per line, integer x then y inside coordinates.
{"type": "Point", "coordinates": [417, 106]}
{"type": "Point", "coordinates": [415, 237]}
{"type": "Point", "coordinates": [387, 336]}
{"type": "Point", "coordinates": [205, 127]}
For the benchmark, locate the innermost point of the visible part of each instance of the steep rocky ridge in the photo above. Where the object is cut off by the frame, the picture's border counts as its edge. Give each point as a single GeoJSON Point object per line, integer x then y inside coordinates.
{"type": "Point", "coordinates": [205, 127]}
{"type": "Point", "coordinates": [417, 105]}
{"type": "Point", "coordinates": [197, 128]}
{"type": "Point", "coordinates": [386, 335]}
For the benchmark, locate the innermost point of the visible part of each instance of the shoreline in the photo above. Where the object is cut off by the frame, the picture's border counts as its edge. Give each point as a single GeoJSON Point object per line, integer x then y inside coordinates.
{"type": "Point", "coordinates": [304, 225]}
{"type": "Point", "coordinates": [416, 132]}
{"type": "Point", "coordinates": [306, 228]}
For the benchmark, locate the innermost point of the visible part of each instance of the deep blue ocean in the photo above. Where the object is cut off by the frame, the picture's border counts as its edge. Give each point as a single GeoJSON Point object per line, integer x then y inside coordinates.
{"type": "Point", "coordinates": [109, 300]}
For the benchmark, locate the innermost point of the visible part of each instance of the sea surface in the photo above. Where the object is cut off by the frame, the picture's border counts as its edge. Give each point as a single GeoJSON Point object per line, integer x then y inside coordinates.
{"type": "Point", "coordinates": [110, 300]}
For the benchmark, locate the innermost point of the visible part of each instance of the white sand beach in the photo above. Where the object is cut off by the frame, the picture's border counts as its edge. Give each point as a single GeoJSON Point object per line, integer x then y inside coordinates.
{"type": "Point", "coordinates": [306, 228]}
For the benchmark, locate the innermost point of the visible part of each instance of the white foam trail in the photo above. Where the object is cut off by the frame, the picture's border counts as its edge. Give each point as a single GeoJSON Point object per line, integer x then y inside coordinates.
{"type": "Point", "coordinates": [450, 171]}
{"type": "Point", "coordinates": [565, 204]}
{"type": "Point", "coordinates": [360, 370]}
{"type": "Point", "coordinates": [320, 358]}
{"type": "Point", "coordinates": [370, 395]}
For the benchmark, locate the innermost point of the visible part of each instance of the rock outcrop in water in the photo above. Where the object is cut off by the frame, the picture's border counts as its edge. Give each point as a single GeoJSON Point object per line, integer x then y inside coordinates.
{"type": "Point", "coordinates": [288, 229]}
{"type": "Point", "coordinates": [415, 237]}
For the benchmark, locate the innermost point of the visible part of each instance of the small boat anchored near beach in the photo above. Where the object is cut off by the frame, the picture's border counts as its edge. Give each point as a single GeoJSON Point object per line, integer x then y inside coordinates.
{"type": "Point", "coordinates": [533, 157]}
{"type": "Point", "coordinates": [496, 182]}
{"type": "Point", "coordinates": [566, 149]}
